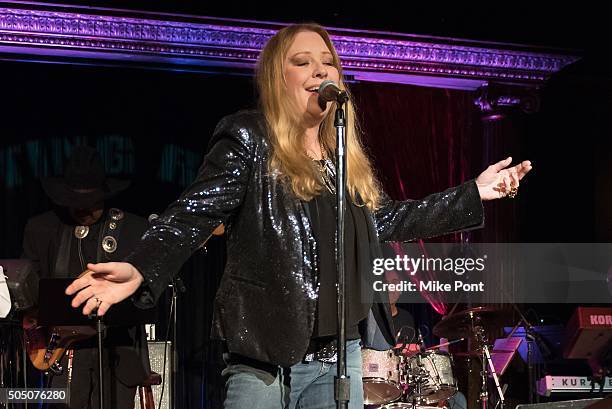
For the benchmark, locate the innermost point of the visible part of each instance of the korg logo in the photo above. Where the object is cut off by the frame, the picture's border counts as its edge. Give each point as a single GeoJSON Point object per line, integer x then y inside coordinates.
{"type": "Point", "coordinates": [601, 319]}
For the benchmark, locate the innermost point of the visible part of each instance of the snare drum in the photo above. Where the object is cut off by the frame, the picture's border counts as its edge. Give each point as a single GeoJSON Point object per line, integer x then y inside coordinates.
{"type": "Point", "coordinates": [381, 376]}
{"type": "Point", "coordinates": [437, 367]}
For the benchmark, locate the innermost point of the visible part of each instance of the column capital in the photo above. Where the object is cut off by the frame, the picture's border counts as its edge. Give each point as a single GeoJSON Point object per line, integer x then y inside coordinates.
{"type": "Point", "coordinates": [496, 101]}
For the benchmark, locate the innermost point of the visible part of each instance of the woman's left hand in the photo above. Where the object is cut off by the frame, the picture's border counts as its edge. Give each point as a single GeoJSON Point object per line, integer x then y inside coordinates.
{"type": "Point", "coordinates": [498, 180]}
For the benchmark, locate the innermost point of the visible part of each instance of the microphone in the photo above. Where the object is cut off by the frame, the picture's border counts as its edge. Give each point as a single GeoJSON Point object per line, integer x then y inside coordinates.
{"type": "Point", "coordinates": [421, 342]}
{"type": "Point", "coordinates": [329, 91]}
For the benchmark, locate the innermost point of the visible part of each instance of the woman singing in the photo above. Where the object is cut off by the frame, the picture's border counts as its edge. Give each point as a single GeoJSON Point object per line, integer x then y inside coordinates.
{"type": "Point", "coordinates": [269, 178]}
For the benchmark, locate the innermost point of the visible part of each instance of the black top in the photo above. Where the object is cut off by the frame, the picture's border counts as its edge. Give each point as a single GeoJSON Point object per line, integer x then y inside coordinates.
{"type": "Point", "coordinates": [404, 325]}
{"type": "Point", "coordinates": [322, 211]}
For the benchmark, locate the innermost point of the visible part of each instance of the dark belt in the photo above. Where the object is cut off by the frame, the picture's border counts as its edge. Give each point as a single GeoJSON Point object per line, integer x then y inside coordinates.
{"type": "Point", "coordinates": [236, 359]}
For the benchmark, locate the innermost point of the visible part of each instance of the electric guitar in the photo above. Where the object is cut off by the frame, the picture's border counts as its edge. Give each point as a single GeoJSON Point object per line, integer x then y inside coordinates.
{"type": "Point", "coordinates": [46, 345]}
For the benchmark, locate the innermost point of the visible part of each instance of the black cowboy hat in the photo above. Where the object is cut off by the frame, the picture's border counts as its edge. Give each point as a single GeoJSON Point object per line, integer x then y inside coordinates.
{"type": "Point", "coordinates": [84, 183]}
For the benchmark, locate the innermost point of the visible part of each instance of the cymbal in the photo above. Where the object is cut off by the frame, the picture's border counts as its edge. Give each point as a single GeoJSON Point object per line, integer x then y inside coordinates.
{"type": "Point", "coordinates": [460, 324]}
{"type": "Point", "coordinates": [602, 404]}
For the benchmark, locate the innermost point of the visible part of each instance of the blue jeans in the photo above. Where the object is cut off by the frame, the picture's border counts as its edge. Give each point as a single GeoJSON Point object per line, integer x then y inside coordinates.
{"type": "Point", "coordinates": [305, 385]}
{"type": "Point", "coordinates": [458, 401]}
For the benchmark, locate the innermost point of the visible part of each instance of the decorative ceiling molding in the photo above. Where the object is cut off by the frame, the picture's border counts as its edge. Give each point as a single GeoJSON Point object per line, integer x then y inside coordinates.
{"type": "Point", "coordinates": [39, 31]}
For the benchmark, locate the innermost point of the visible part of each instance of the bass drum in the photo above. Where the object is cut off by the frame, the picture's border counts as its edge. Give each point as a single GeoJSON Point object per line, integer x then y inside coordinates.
{"type": "Point", "coordinates": [381, 377]}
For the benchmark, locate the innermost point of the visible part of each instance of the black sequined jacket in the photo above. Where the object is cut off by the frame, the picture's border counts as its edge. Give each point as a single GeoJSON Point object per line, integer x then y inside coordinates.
{"type": "Point", "coordinates": [265, 305]}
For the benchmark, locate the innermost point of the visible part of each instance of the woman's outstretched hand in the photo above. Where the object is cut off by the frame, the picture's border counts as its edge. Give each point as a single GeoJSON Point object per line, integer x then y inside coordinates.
{"type": "Point", "coordinates": [103, 285]}
{"type": "Point", "coordinates": [499, 180]}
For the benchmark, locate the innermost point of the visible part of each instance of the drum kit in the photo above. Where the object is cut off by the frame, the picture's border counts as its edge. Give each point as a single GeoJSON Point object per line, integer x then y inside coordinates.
{"type": "Point", "coordinates": [416, 377]}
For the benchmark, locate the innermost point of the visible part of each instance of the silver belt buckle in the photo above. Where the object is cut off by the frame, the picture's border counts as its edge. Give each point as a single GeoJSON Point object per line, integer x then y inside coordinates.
{"type": "Point", "coordinates": [331, 360]}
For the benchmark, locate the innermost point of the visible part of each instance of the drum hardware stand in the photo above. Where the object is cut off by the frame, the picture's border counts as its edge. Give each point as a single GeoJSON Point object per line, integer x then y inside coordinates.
{"type": "Point", "coordinates": [486, 361]}
{"type": "Point", "coordinates": [418, 380]}
{"type": "Point", "coordinates": [500, 392]}
{"type": "Point", "coordinates": [403, 377]}
{"type": "Point", "coordinates": [421, 376]}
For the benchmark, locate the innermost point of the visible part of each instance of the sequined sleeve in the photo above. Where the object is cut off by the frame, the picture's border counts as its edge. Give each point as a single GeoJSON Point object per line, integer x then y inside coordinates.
{"type": "Point", "coordinates": [457, 208]}
{"type": "Point", "coordinates": [210, 200]}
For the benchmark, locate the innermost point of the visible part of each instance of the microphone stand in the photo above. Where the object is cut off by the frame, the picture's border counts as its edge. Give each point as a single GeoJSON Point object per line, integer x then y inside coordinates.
{"type": "Point", "coordinates": [100, 330]}
{"type": "Point", "coordinates": [533, 339]}
{"type": "Point", "coordinates": [177, 287]}
{"type": "Point", "coordinates": [341, 381]}
{"type": "Point", "coordinates": [99, 337]}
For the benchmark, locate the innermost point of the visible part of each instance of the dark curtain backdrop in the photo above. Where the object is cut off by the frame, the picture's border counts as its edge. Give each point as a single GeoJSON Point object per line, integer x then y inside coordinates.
{"type": "Point", "coordinates": [153, 127]}
{"type": "Point", "coordinates": [422, 140]}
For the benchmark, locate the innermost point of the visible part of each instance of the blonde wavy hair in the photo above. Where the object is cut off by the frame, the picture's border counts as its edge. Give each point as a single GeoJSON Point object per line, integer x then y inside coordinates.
{"type": "Point", "coordinates": [288, 157]}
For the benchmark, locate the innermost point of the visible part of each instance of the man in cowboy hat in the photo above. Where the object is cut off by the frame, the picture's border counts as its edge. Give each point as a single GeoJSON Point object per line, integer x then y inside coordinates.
{"type": "Point", "coordinates": [60, 243]}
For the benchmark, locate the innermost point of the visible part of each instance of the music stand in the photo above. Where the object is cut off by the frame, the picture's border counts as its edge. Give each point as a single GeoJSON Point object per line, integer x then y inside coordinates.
{"type": "Point", "coordinates": [504, 349]}
{"type": "Point", "coordinates": [55, 310]}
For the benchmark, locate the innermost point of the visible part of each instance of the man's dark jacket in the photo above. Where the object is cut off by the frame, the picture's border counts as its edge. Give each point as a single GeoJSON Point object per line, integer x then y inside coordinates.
{"type": "Point", "coordinates": [43, 237]}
